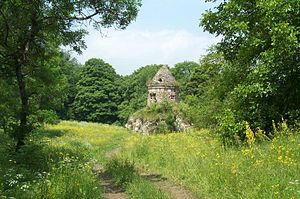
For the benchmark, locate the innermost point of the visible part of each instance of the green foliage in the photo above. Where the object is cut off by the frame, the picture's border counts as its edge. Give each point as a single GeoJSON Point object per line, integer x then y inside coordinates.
{"type": "Point", "coordinates": [204, 111]}
{"type": "Point", "coordinates": [202, 164]}
{"type": "Point", "coordinates": [134, 91]}
{"type": "Point", "coordinates": [231, 130]}
{"type": "Point", "coordinates": [205, 76]}
{"type": "Point", "coordinates": [32, 32]}
{"type": "Point", "coordinates": [8, 105]}
{"type": "Point", "coordinates": [42, 169]}
{"type": "Point", "coordinates": [260, 39]}
{"type": "Point", "coordinates": [182, 73]}
{"type": "Point", "coordinates": [42, 117]}
{"type": "Point", "coordinates": [98, 94]}
{"type": "Point", "coordinates": [206, 90]}
{"type": "Point", "coordinates": [71, 69]}
{"type": "Point", "coordinates": [46, 92]}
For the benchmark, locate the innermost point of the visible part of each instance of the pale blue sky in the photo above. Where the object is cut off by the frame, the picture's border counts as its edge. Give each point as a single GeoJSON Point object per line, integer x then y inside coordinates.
{"type": "Point", "coordinates": [171, 14]}
{"type": "Point", "coordinates": [165, 32]}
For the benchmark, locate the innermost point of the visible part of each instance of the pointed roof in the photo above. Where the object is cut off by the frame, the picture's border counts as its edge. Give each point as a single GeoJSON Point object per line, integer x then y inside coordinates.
{"type": "Point", "coordinates": [163, 77]}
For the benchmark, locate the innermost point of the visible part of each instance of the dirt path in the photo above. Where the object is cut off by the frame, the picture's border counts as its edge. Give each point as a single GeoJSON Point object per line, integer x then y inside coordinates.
{"type": "Point", "coordinates": [175, 191]}
{"type": "Point", "coordinates": [110, 190]}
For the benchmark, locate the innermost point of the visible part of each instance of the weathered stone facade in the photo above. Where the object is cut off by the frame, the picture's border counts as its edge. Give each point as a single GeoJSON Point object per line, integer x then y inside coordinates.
{"type": "Point", "coordinates": [162, 87]}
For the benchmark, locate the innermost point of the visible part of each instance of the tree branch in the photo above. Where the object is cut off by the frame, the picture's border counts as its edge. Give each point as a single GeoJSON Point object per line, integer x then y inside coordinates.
{"type": "Point", "coordinates": [86, 17]}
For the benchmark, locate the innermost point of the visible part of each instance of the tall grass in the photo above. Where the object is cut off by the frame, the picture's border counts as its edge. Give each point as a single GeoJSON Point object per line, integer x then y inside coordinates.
{"type": "Point", "coordinates": [50, 165]}
{"type": "Point", "coordinates": [57, 161]}
{"type": "Point", "coordinates": [126, 176]}
{"type": "Point", "coordinates": [197, 160]}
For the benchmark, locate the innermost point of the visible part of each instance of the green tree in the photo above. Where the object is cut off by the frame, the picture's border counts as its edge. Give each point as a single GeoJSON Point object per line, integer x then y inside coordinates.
{"type": "Point", "coordinates": [261, 38]}
{"type": "Point", "coordinates": [182, 72]}
{"type": "Point", "coordinates": [71, 69]}
{"type": "Point", "coordinates": [33, 30]}
{"type": "Point", "coordinates": [205, 89]}
{"type": "Point", "coordinates": [98, 94]}
{"type": "Point", "coordinates": [45, 89]}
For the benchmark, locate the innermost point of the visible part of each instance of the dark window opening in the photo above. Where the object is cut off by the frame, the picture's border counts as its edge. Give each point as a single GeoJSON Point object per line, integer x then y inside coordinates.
{"type": "Point", "coordinates": [160, 80]}
{"type": "Point", "coordinates": [153, 96]}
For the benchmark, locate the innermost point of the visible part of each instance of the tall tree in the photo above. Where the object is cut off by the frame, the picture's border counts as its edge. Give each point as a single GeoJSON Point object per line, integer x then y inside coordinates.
{"type": "Point", "coordinates": [182, 72]}
{"type": "Point", "coordinates": [33, 29]}
{"type": "Point", "coordinates": [98, 95]}
{"type": "Point", "coordinates": [71, 69]}
{"type": "Point", "coordinates": [206, 90]}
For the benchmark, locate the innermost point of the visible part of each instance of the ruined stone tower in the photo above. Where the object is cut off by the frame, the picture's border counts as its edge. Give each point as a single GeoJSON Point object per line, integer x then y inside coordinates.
{"type": "Point", "coordinates": [162, 87]}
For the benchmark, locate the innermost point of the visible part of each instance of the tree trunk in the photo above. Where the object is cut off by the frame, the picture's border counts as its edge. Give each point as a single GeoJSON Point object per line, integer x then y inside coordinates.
{"type": "Point", "coordinates": [23, 127]}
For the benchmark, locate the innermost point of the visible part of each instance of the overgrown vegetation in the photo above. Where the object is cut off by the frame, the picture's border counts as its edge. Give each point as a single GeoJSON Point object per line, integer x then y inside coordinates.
{"type": "Point", "coordinates": [165, 115]}
{"type": "Point", "coordinates": [251, 76]}
{"type": "Point", "coordinates": [126, 176]}
{"type": "Point", "coordinates": [201, 163]}
{"type": "Point", "coordinates": [198, 160]}
{"type": "Point", "coordinates": [49, 166]}
{"type": "Point", "coordinates": [57, 162]}
{"type": "Point", "coordinates": [260, 43]}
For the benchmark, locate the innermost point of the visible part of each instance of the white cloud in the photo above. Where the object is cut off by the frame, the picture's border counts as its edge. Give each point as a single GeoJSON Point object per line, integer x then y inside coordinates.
{"type": "Point", "coordinates": [130, 49]}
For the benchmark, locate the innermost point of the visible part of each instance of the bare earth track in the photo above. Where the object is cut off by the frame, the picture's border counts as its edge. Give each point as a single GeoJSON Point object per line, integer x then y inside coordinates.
{"type": "Point", "coordinates": [111, 191]}
{"type": "Point", "coordinates": [175, 191]}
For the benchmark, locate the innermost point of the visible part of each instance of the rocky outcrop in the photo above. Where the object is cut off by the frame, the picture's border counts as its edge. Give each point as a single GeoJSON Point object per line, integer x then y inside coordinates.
{"type": "Point", "coordinates": [181, 125]}
{"type": "Point", "coordinates": [147, 126]}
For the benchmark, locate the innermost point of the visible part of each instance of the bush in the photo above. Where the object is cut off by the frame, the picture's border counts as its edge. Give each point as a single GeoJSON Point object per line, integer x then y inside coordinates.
{"type": "Point", "coordinates": [231, 131]}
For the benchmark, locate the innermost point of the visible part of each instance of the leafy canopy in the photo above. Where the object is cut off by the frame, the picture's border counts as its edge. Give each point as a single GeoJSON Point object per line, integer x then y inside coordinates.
{"type": "Point", "coordinates": [32, 32]}
{"type": "Point", "coordinates": [260, 38]}
{"type": "Point", "coordinates": [98, 94]}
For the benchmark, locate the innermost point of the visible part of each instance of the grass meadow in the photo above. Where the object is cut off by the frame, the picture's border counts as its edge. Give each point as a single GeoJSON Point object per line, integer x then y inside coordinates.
{"type": "Point", "coordinates": [57, 163]}
{"type": "Point", "coordinates": [199, 162]}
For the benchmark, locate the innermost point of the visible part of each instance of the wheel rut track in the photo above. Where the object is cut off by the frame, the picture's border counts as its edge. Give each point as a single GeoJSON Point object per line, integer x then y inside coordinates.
{"type": "Point", "coordinates": [110, 190]}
